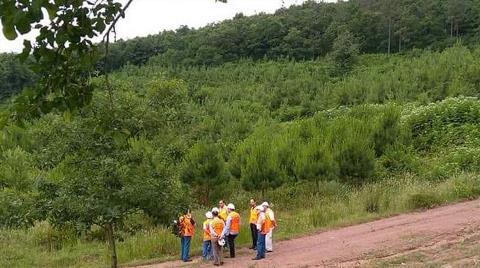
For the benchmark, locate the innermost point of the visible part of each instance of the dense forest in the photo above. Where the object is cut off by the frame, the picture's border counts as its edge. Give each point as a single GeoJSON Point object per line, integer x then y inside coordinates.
{"type": "Point", "coordinates": [361, 109]}
{"type": "Point", "coordinates": [14, 75]}
{"type": "Point", "coordinates": [303, 32]}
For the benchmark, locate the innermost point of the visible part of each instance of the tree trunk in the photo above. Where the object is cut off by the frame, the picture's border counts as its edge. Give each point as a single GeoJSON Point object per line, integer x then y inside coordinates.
{"type": "Point", "coordinates": [207, 195]}
{"type": "Point", "coordinates": [457, 28]}
{"type": "Point", "coordinates": [111, 243]}
{"type": "Point", "coordinates": [451, 28]}
{"type": "Point", "coordinates": [399, 44]}
{"type": "Point", "coordinates": [389, 35]}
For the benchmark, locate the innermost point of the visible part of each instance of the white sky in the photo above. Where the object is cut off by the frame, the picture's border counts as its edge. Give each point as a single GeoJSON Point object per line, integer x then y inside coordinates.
{"type": "Point", "coordinates": [146, 17]}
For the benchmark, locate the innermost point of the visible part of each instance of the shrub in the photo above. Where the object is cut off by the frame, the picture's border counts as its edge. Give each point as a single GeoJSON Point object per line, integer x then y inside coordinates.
{"type": "Point", "coordinates": [463, 186]}
{"type": "Point", "coordinates": [387, 130]}
{"type": "Point", "coordinates": [353, 150]}
{"type": "Point", "coordinates": [204, 168]}
{"type": "Point", "coordinates": [464, 159]}
{"type": "Point", "coordinates": [344, 53]}
{"type": "Point", "coordinates": [50, 238]}
{"type": "Point", "coordinates": [423, 200]}
{"type": "Point", "coordinates": [324, 215]}
{"type": "Point", "coordinates": [397, 159]}
{"type": "Point", "coordinates": [314, 161]}
{"type": "Point", "coordinates": [262, 170]}
{"type": "Point", "coordinates": [453, 121]}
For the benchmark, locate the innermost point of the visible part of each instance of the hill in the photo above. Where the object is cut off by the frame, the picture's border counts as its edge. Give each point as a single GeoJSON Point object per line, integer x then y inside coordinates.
{"type": "Point", "coordinates": [396, 133]}
{"type": "Point", "coordinates": [336, 113]}
{"type": "Point", "coordinates": [305, 32]}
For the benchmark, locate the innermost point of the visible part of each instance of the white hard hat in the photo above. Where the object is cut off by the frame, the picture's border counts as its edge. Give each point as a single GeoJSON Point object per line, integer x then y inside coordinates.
{"type": "Point", "coordinates": [260, 208]}
{"type": "Point", "coordinates": [215, 210]}
{"type": "Point", "coordinates": [221, 242]}
{"type": "Point", "coordinates": [265, 204]}
{"type": "Point", "coordinates": [231, 206]}
{"type": "Point", "coordinates": [209, 215]}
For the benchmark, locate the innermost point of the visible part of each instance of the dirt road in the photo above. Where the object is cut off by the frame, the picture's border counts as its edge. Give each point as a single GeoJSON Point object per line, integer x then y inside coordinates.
{"type": "Point", "coordinates": [407, 240]}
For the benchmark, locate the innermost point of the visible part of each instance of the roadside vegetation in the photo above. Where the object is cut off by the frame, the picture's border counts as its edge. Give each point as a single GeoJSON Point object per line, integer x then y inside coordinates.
{"type": "Point", "coordinates": [331, 137]}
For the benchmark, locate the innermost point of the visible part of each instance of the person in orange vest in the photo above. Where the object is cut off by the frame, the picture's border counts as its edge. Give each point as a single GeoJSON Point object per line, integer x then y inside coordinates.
{"type": "Point", "coordinates": [207, 239]}
{"type": "Point", "coordinates": [222, 210]}
{"type": "Point", "coordinates": [269, 237]}
{"type": "Point", "coordinates": [232, 228]}
{"type": "Point", "coordinates": [253, 223]}
{"type": "Point", "coordinates": [263, 227]}
{"type": "Point", "coordinates": [216, 229]}
{"type": "Point", "coordinates": [187, 228]}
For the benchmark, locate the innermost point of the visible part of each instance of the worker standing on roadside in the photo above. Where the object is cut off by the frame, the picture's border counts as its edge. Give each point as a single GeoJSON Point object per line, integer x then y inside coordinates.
{"type": "Point", "coordinates": [271, 216]}
{"type": "Point", "coordinates": [187, 227]}
{"type": "Point", "coordinates": [207, 239]}
{"type": "Point", "coordinates": [222, 210]}
{"type": "Point", "coordinates": [253, 223]}
{"type": "Point", "coordinates": [232, 228]}
{"type": "Point", "coordinates": [216, 230]}
{"type": "Point", "coordinates": [262, 228]}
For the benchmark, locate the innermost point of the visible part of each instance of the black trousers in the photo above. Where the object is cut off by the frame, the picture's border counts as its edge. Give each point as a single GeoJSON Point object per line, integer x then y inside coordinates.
{"type": "Point", "coordinates": [253, 229]}
{"type": "Point", "coordinates": [231, 245]}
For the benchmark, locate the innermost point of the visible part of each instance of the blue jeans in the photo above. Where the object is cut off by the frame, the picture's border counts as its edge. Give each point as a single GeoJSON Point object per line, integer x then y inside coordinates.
{"type": "Point", "coordinates": [261, 246]}
{"type": "Point", "coordinates": [185, 247]}
{"type": "Point", "coordinates": [207, 250]}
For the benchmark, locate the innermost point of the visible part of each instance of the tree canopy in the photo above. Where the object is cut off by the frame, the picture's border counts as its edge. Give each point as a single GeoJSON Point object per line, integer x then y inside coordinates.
{"type": "Point", "coordinates": [300, 32]}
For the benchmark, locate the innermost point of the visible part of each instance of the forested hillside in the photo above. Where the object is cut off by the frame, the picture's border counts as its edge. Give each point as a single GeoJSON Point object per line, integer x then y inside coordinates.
{"type": "Point", "coordinates": [360, 109]}
{"type": "Point", "coordinates": [309, 31]}
{"type": "Point", "coordinates": [397, 133]}
{"type": "Point", "coordinates": [304, 32]}
{"type": "Point", "coordinates": [13, 75]}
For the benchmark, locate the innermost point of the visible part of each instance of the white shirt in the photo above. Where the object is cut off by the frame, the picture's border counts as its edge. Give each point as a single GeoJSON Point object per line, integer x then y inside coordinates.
{"type": "Point", "coordinates": [260, 220]}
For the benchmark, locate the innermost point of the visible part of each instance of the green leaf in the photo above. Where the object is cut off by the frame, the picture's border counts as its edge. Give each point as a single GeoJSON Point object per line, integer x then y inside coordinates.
{"type": "Point", "coordinates": [51, 9]}
{"type": "Point", "coordinates": [100, 26]}
{"type": "Point", "coordinates": [23, 24]}
{"type": "Point", "coordinates": [27, 47]}
{"type": "Point", "coordinates": [9, 32]}
{"type": "Point", "coordinates": [36, 11]}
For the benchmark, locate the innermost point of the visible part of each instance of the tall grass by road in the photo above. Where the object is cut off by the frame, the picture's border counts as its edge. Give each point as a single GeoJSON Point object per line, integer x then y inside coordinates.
{"type": "Point", "coordinates": [334, 205]}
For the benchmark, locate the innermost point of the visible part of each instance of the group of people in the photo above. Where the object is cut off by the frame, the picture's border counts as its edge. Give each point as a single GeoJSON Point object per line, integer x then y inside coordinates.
{"type": "Point", "coordinates": [221, 228]}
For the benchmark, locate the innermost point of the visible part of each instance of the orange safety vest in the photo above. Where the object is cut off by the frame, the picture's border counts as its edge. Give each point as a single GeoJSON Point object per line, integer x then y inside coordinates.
{"type": "Point", "coordinates": [187, 226]}
{"type": "Point", "coordinates": [217, 226]}
{"type": "Point", "coordinates": [267, 225]}
{"type": "Point", "coordinates": [206, 230]}
{"type": "Point", "coordinates": [235, 222]}
{"type": "Point", "coordinates": [223, 213]}
{"type": "Point", "coordinates": [271, 223]}
{"type": "Point", "coordinates": [253, 215]}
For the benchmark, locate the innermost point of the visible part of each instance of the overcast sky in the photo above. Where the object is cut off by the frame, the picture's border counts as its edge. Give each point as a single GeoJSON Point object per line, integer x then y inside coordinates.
{"type": "Point", "coordinates": [146, 17]}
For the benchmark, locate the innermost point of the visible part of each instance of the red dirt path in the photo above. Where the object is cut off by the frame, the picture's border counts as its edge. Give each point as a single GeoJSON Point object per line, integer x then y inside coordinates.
{"type": "Point", "coordinates": [364, 244]}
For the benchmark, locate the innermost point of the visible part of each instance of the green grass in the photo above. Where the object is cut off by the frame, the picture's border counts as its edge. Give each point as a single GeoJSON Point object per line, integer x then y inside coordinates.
{"type": "Point", "coordinates": [42, 246]}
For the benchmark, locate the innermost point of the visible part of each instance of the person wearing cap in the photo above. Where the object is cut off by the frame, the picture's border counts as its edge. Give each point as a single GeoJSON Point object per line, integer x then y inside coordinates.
{"type": "Point", "coordinates": [187, 228]}
{"type": "Point", "coordinates": [222, 210]}
{"type": "Point", "coordinates": [262, 228]}
{"type": "Point", "coordinates": [253, 223]}
{"type": "Point", "coordinates": [232, 228]}
{"type": "Point", "coordinates": [271, 219]}
{"type": "Point", "coordinates": [207, 238]}
{"type": "Point", "coordinates": [216, 229]}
